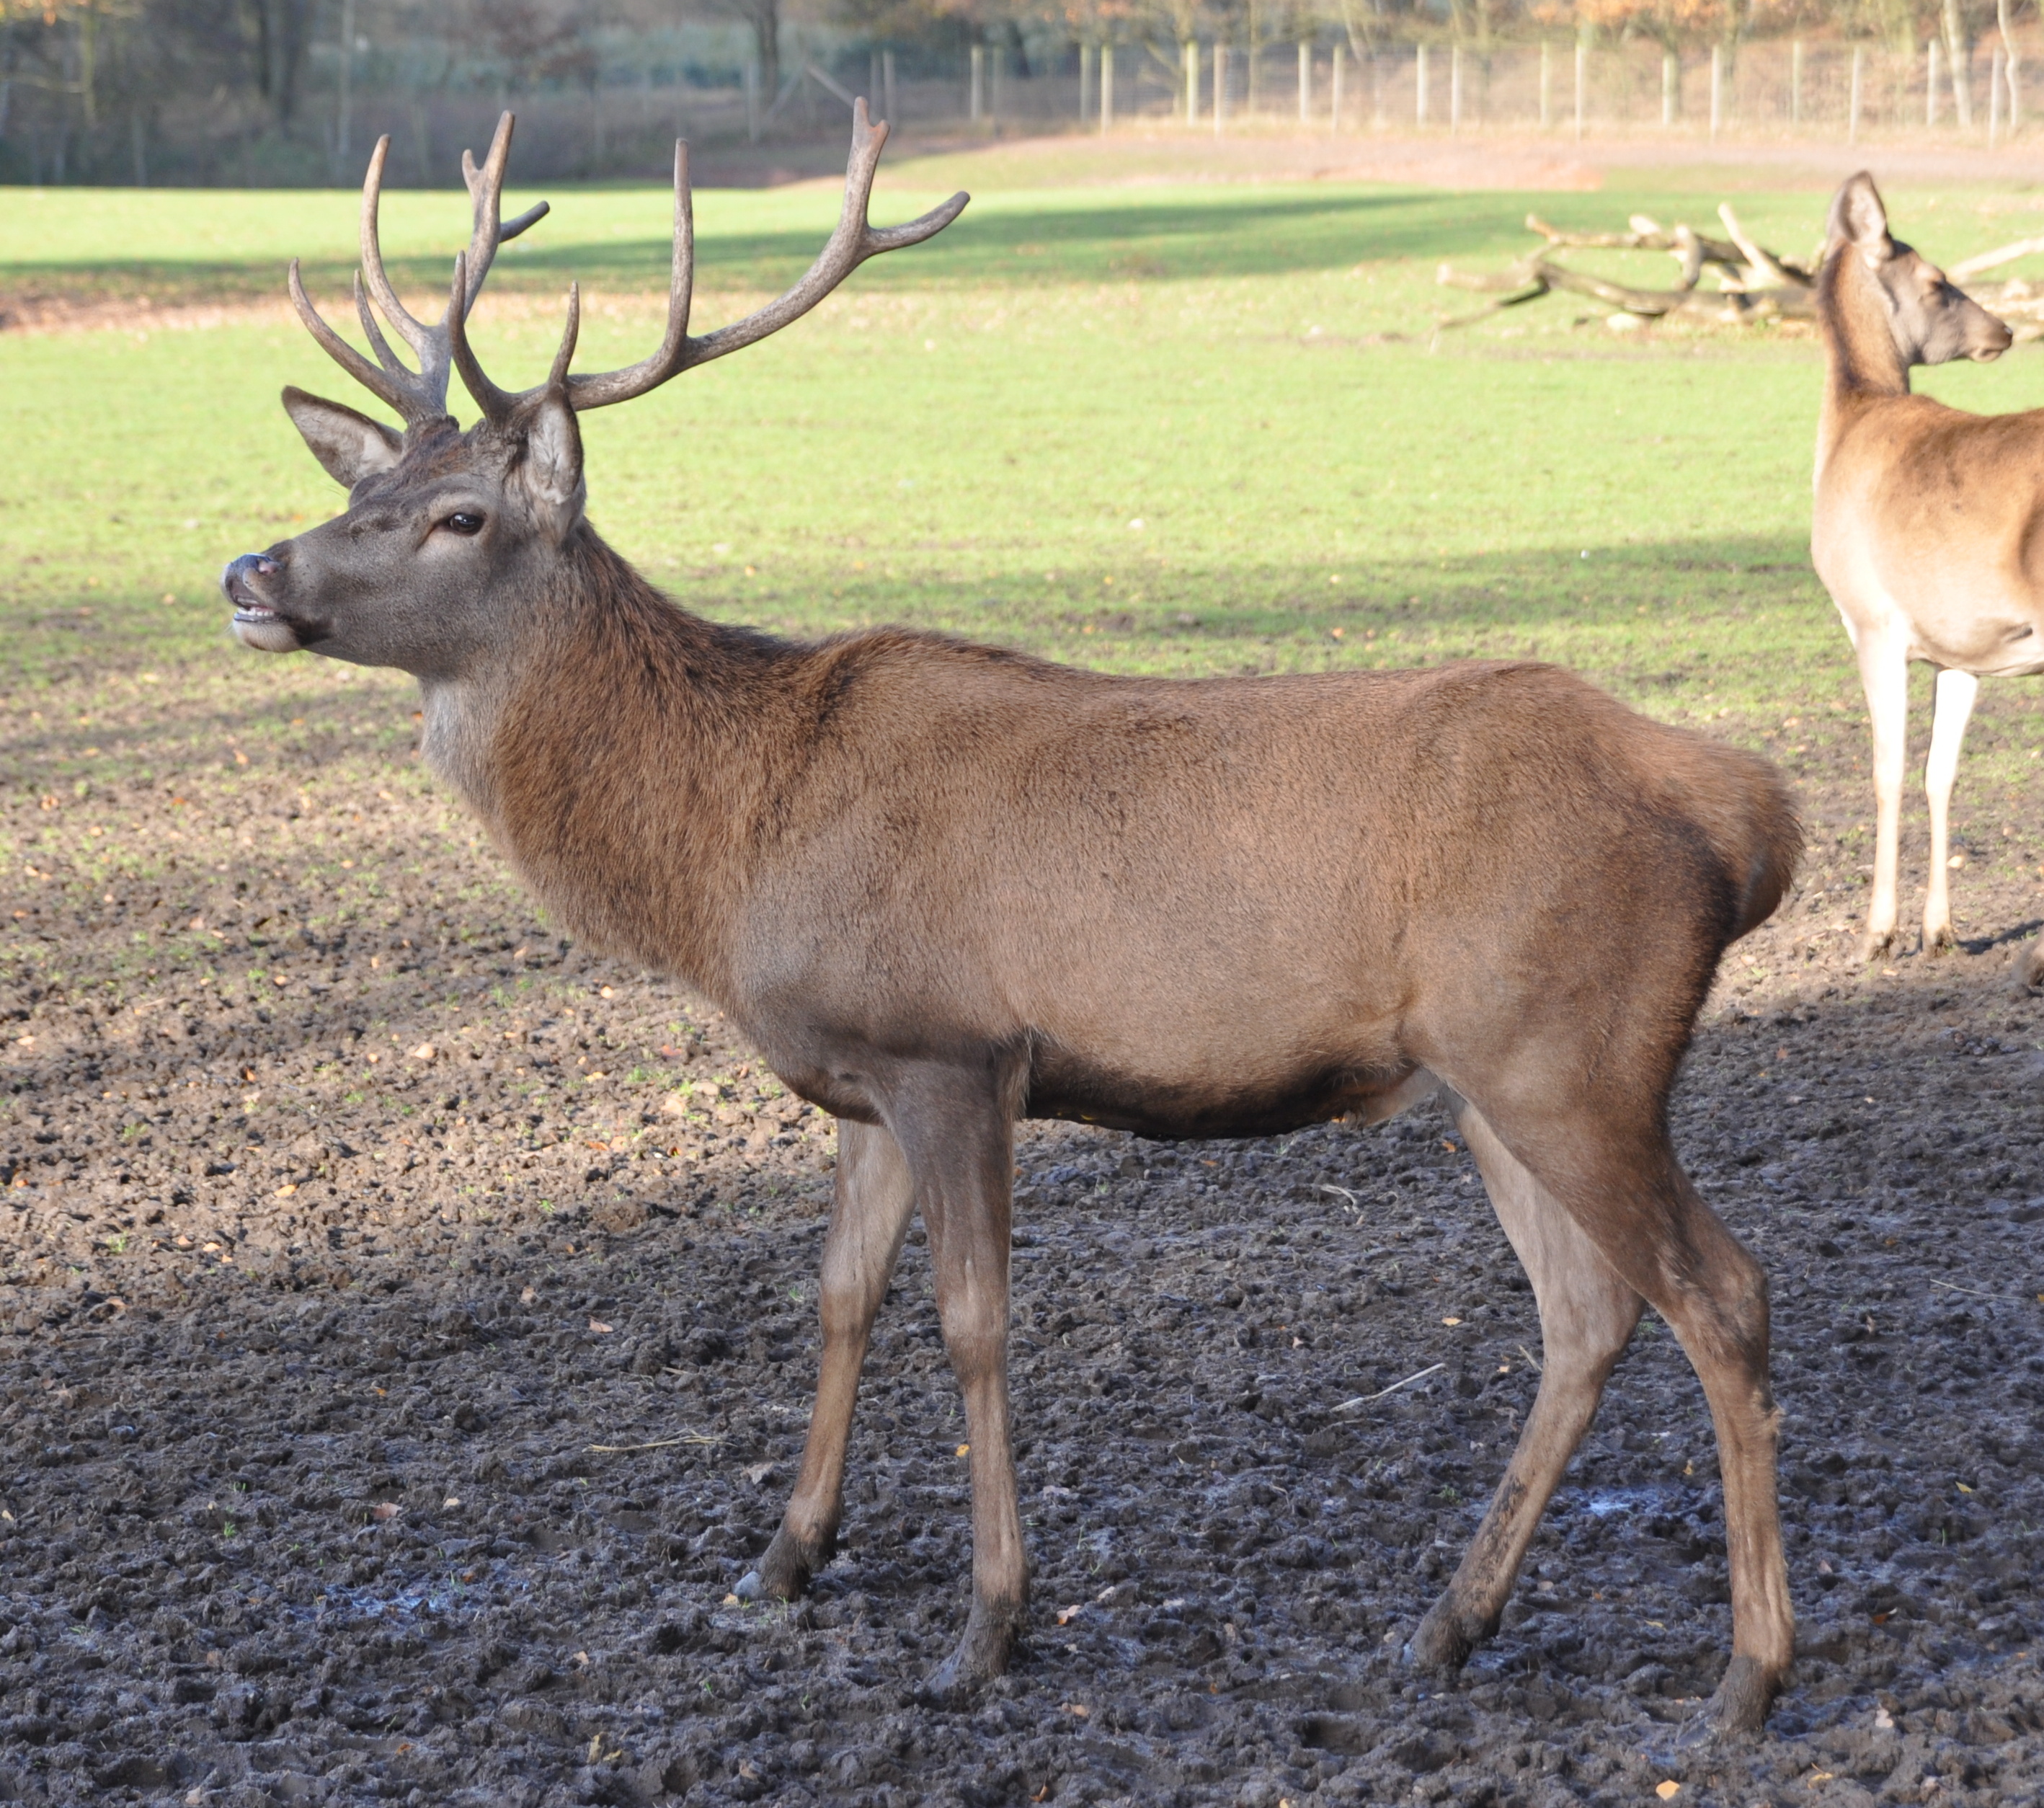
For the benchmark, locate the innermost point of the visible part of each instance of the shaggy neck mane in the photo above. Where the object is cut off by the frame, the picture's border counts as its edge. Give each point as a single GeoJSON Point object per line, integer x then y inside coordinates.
{"type": "Point", "coordinates": [635, 759]}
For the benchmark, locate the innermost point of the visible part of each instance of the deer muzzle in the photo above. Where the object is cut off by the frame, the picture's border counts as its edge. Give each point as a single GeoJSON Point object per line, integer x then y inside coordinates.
{"type": "Point", "coordinates": [258, 622]}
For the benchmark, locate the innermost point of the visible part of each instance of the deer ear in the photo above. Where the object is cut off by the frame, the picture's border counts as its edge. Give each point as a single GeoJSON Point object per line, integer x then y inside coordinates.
{"type": "Point", "coordinates": [349, 446]}
{"type": "Point", "coordinates": [549, 471]}
{"type": "Point", "coordinates": [1859, 219]}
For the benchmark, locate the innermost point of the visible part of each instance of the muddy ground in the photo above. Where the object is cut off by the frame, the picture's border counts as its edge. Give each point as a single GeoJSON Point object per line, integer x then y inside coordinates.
{"type": "Point", "coordinates": [407, 1324]}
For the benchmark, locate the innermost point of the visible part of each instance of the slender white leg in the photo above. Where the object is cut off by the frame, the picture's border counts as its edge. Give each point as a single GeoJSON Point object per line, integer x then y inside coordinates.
{"type": "Point", "coordinates": [1883, 673]}
{"type": "Point", "coordinates": [1956, 692]}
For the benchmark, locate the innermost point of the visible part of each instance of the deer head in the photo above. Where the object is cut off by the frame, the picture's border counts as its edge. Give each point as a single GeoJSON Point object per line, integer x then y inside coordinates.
{"type": "Point", "coordinates": [1930, 319]}
{"type": "Point", "coordinates": [445, 528]}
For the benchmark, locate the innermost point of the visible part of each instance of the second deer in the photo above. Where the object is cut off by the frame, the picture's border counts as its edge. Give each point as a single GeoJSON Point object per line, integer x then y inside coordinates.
{"type": "Point", "coordinates": [1929, 525]}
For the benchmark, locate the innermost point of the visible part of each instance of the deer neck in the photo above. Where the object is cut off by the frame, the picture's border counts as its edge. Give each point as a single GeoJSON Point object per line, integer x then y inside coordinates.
{"type": "Point", "coordinates": [621, 760]}
{"type": "Point", "coordinates": [1865, 367]}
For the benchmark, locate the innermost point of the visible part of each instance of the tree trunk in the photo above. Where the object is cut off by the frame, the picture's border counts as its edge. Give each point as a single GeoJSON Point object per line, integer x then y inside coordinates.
{"type": "Point", "coordinates": [2014, 65]}
{"type": "Point", "coordinates": [1955, 55]}
{"type": "Point", "coordinates": [766, 16]}
{"type": "Point", "coordinates": [88, 65]}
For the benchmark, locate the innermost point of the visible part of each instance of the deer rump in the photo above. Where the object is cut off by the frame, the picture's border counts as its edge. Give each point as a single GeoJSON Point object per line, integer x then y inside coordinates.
{"type": "Point", "coordinates": [1190, 908]}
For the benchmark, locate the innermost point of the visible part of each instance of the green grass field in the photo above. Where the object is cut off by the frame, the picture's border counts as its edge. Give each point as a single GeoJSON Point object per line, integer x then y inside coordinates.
{"type": "Point", "coordinates": [1180, 428]}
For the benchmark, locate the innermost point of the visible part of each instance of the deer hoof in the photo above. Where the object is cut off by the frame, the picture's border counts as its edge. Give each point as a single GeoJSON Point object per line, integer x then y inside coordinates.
{"type": "Point", "coordinates": [1877, 944]}
{"type": "Point", "coordinates": [1740, 1706]}
{"type": "Point", "coordinates": [1940, 941]}
{"type": "Point", "coordinates": [1445, 1639]}
{"type": "Point", "coordinates": [982, 1655]}
{"type": "Point", "coordinates": [784, 1572]}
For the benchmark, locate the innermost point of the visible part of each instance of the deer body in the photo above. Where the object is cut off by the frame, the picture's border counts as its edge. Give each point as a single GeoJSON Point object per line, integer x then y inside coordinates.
{"type": "Point", "coordinates": [1928, 526]}
{"type": "Point", "coordinates": [1931, 520]}
{"type": "Point", "coordinates": [950, 845]}
{"type": "Point", "coordinates": [943, 888]}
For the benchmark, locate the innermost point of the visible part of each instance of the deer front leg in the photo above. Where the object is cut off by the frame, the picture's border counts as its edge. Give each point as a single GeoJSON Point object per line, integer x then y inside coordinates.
{"type": "Point", "coordinates": [873, 1199]}
{"type": "Point", "coordinates": [961, 1151]}
{"type": "Point", "coordinates": [1884, 671]}
{"type": "Point", "coordinates": [1955, 695]}
{"type": "Point", "coordinates": [1587, 1316]}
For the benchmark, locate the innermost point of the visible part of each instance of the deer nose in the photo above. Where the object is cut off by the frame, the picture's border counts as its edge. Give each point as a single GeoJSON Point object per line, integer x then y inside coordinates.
{"type": "Point", "coordinates": [235, 579]}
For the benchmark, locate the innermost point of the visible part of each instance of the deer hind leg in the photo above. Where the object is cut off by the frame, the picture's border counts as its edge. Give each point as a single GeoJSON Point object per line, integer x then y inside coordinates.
{"type": "Point", "coordinates": [1956, 692]}
{"type": "Point", "coordinates": [1884, 671]}
{"type": "Point", "coordinates": [874, 1198]}
{"type": "Point", "coordinates": [1587, 1316]}
{"type": "Point", "coordinates": [1655, 1231]}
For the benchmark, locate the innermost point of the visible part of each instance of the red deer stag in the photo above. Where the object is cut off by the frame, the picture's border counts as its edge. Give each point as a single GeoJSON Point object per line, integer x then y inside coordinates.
{"type": "Point", "coordinates": [1929, 525]}
{"type": "Point", "coordinates": [943, 888]}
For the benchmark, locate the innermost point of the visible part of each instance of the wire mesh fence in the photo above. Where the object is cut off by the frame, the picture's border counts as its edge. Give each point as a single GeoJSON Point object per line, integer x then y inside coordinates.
{"type": "Point", "coordinates": [618, 116]}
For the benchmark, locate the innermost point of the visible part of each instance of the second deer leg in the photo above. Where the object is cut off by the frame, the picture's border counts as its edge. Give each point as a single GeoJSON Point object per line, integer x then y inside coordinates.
{"type": "Point", "coordinates": [1956, 692]}
{"type": "Point", "coordinates": [1587, 1317]}
{"type": "Point", "coordinates": [874, 1199]}
{"type": "Point", "coordinates": [1884, 671]}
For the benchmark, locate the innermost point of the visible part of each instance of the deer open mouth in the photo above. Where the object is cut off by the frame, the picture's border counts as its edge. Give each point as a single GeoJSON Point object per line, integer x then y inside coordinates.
{"type": "Point", "coordinates": [257, 625]}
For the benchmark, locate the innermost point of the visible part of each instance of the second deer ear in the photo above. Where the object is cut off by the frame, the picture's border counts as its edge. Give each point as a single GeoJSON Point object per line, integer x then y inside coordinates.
{"type": "Point", "coordinates": [549, 468]}
{"type": "Point", "coordinates": [1859, 219]}
{"type": "Point", "coordinates": [349, 446]}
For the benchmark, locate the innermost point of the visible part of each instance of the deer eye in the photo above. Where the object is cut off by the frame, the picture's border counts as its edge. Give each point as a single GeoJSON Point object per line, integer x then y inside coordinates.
{"type": "Point", "coordinates": [463, 521]}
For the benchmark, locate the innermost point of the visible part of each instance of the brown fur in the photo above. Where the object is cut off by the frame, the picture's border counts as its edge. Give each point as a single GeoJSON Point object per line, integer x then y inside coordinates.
{"type": "Point", "coordinates": [944, 887]}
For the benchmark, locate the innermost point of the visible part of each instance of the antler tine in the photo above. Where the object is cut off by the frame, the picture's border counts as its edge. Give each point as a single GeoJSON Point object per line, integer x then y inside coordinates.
{"type": "Point", "coordinates": [414, 332]}
{"type": "Point", "coordinates": [372, 332]}
{"type": "Point", "coordinates": [376, 381]}
{"type": "Point", "coordinates": [485, 188]}
{"type": "Point", "coordinates": [855, 240]}
{"type": "Point", "coordinates": [497, 404]}
{"type": "Point", "coordinates": [597, 391]}
{"type": "Point", "coordinates": [558, 376]}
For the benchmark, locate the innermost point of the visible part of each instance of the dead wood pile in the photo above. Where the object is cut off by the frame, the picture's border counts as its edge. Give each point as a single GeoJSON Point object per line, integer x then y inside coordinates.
{"type": "Point", "coordinates": [1750, 284]}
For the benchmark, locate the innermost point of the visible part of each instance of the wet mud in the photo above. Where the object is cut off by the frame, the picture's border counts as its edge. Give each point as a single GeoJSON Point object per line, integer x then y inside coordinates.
{"type": "Point", "coordinates": [407, 1322]}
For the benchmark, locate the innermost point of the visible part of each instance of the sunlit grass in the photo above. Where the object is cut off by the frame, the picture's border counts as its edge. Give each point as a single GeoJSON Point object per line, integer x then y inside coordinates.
{"type": "Point", "coordinates": [1182, 429]}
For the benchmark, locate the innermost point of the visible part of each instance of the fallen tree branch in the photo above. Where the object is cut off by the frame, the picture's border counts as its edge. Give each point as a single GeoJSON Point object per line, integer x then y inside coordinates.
{"type": "Point", "coordinates": [1994, 260]}
{"type": "Point", "coordinates": [1754, 283]}
{"type": "Point", "coordinates": [1772, 272]}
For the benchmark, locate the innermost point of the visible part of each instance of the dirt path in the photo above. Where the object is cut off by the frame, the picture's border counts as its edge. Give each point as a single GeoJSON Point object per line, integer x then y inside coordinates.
{"type": "Point", "coordinates": [407, 1323]}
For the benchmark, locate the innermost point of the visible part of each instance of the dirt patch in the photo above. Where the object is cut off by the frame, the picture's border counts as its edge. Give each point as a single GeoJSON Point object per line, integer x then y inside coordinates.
{"type": "Point", "coordinates": [407, 1322]}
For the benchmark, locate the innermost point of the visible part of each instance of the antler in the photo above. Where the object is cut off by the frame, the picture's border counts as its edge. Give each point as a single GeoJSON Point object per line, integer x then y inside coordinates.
{"type": "Point", "coordinates": [419, 395]}
{"type": "Point", "coordinates": [855, 240]}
